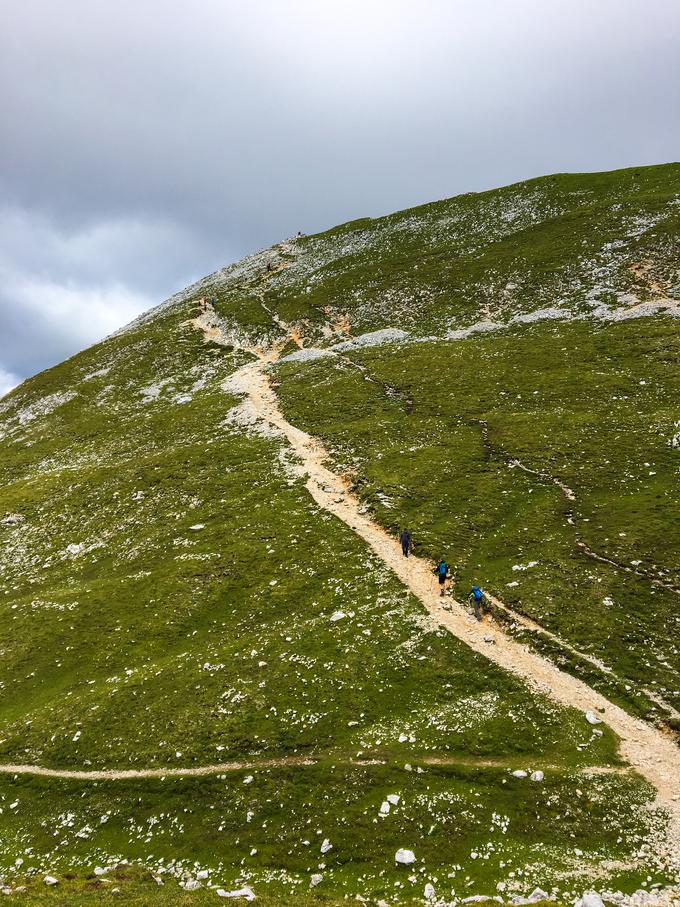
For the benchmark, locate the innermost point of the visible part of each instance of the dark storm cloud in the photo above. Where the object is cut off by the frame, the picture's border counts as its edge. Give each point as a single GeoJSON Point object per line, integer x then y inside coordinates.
{"type": "Point", "coordinates": [148, 143]}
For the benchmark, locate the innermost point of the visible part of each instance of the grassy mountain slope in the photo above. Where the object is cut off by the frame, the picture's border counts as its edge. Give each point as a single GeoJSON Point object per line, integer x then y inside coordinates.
{"type": "Point", "coordinates": [169, 591]}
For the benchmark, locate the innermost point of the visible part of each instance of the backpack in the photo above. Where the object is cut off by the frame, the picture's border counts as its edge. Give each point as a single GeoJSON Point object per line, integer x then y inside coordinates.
{"type": "Point", "coordinates": [478, 594]}
{"type": "Point", "coordinates": [442, 568]}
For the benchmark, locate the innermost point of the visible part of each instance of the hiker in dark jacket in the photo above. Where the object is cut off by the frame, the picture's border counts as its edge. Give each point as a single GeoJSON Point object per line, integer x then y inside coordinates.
{"type": "Point", "coordinates": [442, 571]}
{"type": "Point", "coordinates": [406, 542]}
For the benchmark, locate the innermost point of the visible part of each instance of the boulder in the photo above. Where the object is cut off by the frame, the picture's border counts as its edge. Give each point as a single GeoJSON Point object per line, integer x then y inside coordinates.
{"type": "Point", "coordinates": [50, 880]}
{"type": "Point", "coordinates": [589, 899]}
{"type": "Point", "coordinates": [315, 880]}
{"type": "Point", "coordinates": [246, 893]}
{"type": "Point", "coordinates": [404, 856]}
{"type": "Point", "coordinates": [537, 776]}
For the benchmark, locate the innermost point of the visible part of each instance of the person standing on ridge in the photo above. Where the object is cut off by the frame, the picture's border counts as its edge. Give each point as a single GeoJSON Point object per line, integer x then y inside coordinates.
{"type": "Point", "coordinates": [406, 542]}
{"type": "Point", "coordinates": [442, 571]}
{"type": "Point", "coordinates": [476, 598]}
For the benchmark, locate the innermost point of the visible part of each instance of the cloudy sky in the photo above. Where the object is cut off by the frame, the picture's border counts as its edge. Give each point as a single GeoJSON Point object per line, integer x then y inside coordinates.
{"type": "Point", "coordinates": [148, 142]}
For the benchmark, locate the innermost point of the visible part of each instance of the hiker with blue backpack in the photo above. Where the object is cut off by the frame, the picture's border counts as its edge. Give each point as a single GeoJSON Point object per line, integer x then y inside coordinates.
{"type": "Point", "coordinates": [442, 571]}
{"type": "Point", "coordinates": [476, 598]}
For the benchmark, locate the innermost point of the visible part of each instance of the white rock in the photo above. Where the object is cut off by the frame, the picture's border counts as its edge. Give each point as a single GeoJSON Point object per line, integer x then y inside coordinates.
{"type": "Point", "coordinates": [325, 845]}
{"type": "Point", "coordinates": [384, 808]}
{"type": "Point", "coordinates": [429, 892]}
{"type": "Point", "coordinates": [589, 899]}
{"type": "Point", "coordinates": [248, 779]}
{"type": "Point", "coordinates": [99, 871]}
{"type": "Point", "coordinates": [537, 776]}
{"type": "Point", "coordinates": [592, 718]}
{"type": "Point", "coordinates": [247, 893]}
{"type": "Point", "coordinates": [197, 526]}
{"type": "Point", "coordinates": [393, 799]}
{"type": "Point", "coordinates": [203, 874]}
{"type": "Point", "coordinates": [337, 615]}
{"type": "Point", "coordinates": [192, 885]}
{"type": "Point", "coordinates": [538, 895]}
{"type": "Point", "coordinates": [50, 880]}
{"type": "Point", "coordinates": [404, 856]}
{"type": "Point", "coordinates": [403, 738]}
{"type": "Point", "coordinates": [520, 773]}
{"type": "Point", "coordinates": [315, 880]}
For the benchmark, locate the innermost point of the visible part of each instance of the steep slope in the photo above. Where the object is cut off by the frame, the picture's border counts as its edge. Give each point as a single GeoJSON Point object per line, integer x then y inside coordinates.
{"type": "Point", "coordinates": [222, 674]}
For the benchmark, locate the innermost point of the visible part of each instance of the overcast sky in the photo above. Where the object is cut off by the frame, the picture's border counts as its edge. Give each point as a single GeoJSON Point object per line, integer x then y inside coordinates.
{"type": "Point", "coordinates": [147, 142]}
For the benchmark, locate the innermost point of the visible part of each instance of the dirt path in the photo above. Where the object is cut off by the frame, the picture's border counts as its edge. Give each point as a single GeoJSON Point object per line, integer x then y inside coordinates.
{"type": "Point", "coordinates": [125, 774]}
{"type": "Point", "coordinates": [222, 768]}
{"type": "Point", "coordinates": [647, 750]}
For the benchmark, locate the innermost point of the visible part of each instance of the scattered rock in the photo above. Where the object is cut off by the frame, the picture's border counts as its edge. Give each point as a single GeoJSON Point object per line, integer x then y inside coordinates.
{"type": "Point", "coordinates": [247, 893]}
{"type": "Point", "coordinates": [337, 615]}
{"type": "Point", "coordinates": [589, 899]}
{"type": "Point", "coordinates": [404, 856]}
{"type": "Point", "coordinates": [393, 799]}
{"type": "Point", "coordinates": [520, 773]}
{"type": "Point", "coordinates": [326, 845]}
{"type": "Point", "coordinates": [537, 776]}
{"type": "Point", "coordinates": [315, 880]}
{"type": "Point", "coordinates": [12, 519]}
{"type": "Point", "coordinates": [192, 885]}
{"type": "Point", "coordinates": [538, 895]}
{"type": "Point", "coordinates": [50, 880]}
{"type": "Point", "coordinates": [429, 892]}
{"type": "Point", "coordinates": [384, 808]}
{"type": "Point", "coordinates": [203, 874]}
{"type": "Point", "coordinates": [592, 718]}
{"type": "Point", "coordinates": [197, 526]}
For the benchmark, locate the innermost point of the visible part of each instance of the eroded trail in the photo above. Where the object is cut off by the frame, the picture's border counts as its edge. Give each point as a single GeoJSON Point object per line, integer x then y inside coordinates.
{"type": "Point", "coordinates": [647, 750]}
{"type": "Point", "coordinates": [654, 756]}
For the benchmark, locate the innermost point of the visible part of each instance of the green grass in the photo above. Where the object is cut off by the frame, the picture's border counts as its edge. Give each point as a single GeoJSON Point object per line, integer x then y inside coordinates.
{"type": "Point", "coordinates": [150, 644]}
{"type": "Point", "coordinates": [565, 400]}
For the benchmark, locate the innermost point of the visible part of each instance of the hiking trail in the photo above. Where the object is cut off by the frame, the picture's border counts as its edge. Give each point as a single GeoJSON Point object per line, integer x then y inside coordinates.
{"type": "Point", "coordinates": [645, 748]}
{"type": "Point", "coordinates": [654, 756]}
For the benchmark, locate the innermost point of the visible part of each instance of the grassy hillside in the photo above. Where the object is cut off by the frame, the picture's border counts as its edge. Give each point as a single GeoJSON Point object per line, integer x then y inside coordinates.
{"type": "Point", "coordinates": [172, 598]}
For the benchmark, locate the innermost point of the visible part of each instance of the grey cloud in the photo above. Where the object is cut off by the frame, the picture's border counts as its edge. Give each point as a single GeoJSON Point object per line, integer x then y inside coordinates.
{"type": "Point", "coordinates": [151, 143]}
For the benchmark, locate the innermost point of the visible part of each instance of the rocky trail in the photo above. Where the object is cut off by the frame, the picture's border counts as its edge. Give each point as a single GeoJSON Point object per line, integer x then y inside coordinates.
{"type": "Point", "coordinates": [646, 749]}
{"type": "Point", "coordinates": [649, 752]}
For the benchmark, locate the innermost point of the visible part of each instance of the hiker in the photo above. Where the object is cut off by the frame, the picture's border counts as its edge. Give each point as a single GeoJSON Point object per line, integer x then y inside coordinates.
{"type": "Point", "coordinates": [476, 598]}
{"type": "Point", "coordinates": [406, 542]}
{"type": "Point", "coordinates": [442, 570]}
